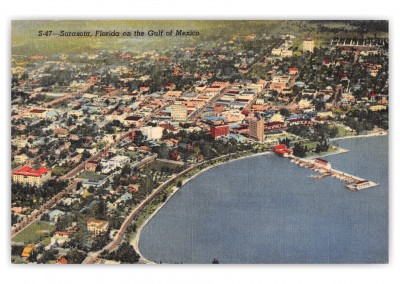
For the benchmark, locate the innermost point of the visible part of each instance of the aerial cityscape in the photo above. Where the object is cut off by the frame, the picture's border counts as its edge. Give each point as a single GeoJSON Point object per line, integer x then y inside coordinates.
{"type": "Point", "coordinates": [199, 142]}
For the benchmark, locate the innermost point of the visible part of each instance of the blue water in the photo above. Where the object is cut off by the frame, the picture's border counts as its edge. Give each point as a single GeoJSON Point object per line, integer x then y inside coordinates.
{"type": "Point", "coordinates": [266, 209]}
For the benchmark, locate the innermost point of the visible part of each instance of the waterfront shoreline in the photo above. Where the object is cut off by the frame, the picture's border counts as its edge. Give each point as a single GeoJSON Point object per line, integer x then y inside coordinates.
{"type": "Point", "coordinates": [135, 241]}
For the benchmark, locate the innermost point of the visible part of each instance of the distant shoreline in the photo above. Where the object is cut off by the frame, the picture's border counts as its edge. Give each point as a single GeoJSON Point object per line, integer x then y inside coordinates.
{"type": "Point", "coordinates": [385, 133]}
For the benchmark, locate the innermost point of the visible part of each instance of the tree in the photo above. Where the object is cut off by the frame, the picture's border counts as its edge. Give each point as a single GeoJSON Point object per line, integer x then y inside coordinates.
{"type": "Point", "coordinates": [75, 256]}
{"type": "Point", "coordinates": [333, 132]}
{"type": "Point", "coordinates": [299, 150]}
{"type": "Point", "coordinates": [125, 254]}
{"type": "Point", "coordinates": [215, 261]}
{"type": "Point", "coordinates": [14, 218]}
{"type": "Point", "coordinates": [45, 217]}
{"type": "Point", "coordinates": [284, 112]}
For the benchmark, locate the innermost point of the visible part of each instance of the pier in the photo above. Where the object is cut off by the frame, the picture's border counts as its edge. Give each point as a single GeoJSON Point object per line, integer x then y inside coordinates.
{"type": "Point", "coordinates": [325, 168]}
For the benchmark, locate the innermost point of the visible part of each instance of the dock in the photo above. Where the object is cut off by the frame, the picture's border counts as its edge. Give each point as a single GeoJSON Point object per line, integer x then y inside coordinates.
{"type": "Point", "coordinates": [324, 167]}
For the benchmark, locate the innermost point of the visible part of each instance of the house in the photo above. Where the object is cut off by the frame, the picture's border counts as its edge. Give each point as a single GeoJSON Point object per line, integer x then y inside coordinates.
{"type": "Point", "coordinates": [86, 183]}
{"type": "Point", "coordinates": [18, 210]}
{"type": "Point", "coordinates": [27, 251]}
{"type": "Point", "coordinates": [377, 107]}
{"type": "Point", "coordinates": [21, 159]}
{"type": "Point", "coordinates": [40, 113]}
{"type": "Point", "coordinates": [61, 132]}
{"type": "Point", "coordinates": [91, 166]}
{"type": "Point", "coordinates": [76, 158]}
{"type": "Point", "coordinates": [59, 238]}
{"type": "Point", "coordinates": [125, 197]}
{"type": "Point", "coordinates": [97, 226]}
{"type": "Point", "coordinates": [55, 215]}
{"type": "Point", "coordinates": [62, 260]}
{"type": "Point", "coordinates": [133, 187]}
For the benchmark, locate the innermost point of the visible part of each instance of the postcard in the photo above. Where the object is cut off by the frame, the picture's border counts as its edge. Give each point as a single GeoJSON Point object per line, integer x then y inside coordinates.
{"type": "Point", "coordinates": [199, 142]}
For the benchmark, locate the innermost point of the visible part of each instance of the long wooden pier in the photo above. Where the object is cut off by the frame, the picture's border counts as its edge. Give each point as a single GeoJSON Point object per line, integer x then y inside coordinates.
{"type": "Point", "coordinates": [325, 168]}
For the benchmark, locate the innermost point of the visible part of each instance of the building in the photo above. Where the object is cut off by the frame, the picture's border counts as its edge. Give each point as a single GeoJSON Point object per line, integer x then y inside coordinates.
{"type": "Point", "coordinates": [256, 129]}
{"type": "Point", "coordinates": [20, 159]}
{"type": "Point", "coordinates": [361, 185]}
{"type": "Point", "coordinates": [277, 117]}
{"type": "Point", "coordinates": [322, 164]}
{"type": "Point", "coordinates": [27, 251]}
{"type": "Point", "coordinates": [282, 150]}
{"type": "Point", "coordinates": [96, 226]}
{"type": "Point", "coordinates": [308, 45]}
{"type": "Point", "coordinates": [61, 132]}
{"type": "Point", "coordinates": [377, 107]}
{"type": "Point", "coordinates": [109, 165]}
{"type": "Point", "coordinates": [91, 166]}
{"type": "Point", "coordinates": [87, 183]}
{"type": "Point", "coordinates": [217, 131]}
{"type": "Point", "coordinates": [279, 83]}
{"type": "Point", "coordinates": [152, 133]}
{"type": "Point", "coordinates": [55, 215]}
{"type": "Point", "coordinates": [28, 175]}
{"type": "Point", "coordinates": [59, 238]}
{"type": "Point", "coordinates": [40, 113]}
{"type": "Point", "coordinates": [178, 112]}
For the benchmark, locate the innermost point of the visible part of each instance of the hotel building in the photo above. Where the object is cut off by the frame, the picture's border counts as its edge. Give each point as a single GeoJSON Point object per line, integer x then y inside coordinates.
{"type": "Point", "coordinates": [28, 175]}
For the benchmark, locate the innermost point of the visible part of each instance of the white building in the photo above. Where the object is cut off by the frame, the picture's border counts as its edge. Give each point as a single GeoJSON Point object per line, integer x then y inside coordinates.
{"type": "Point", "coordinates": [152, 133]}
{"type": "Point", "coordinates": [113, 163]}
{"type": "Point", "coordinates": [308, 45]}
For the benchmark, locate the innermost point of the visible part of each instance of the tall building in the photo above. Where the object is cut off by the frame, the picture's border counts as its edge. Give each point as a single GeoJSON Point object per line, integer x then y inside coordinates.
{"type": "Point", "coordinates": [179, 112]}
{"type": "Point", "coordinates": [219, 130]}
{"type": "Point", "coordinates": [308, 45]}
{"type": "Point", "coordinates": [256, 129]}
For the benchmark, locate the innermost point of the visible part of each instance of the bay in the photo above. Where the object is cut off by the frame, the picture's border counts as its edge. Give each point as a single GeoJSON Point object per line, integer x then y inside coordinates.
{"type": "Point", "coordinates": [265, 209]}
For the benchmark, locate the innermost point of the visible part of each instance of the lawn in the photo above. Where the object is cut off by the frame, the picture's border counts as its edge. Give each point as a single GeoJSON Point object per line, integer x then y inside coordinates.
{"type": "Point", "coordinates": [62, 170]}
{"type": "Point", "coordinates": [158, 165]}
{"type": "Point", "coordinates": [282, 136]}
{"type": "Point", "coordinates": [36, 232]}
{"type": "Point", "coordinates": [132, 155]}
{"type": "Point", "coordinates": [91, 176]}
{"type": "Point", "coordinates": [330, 150]}
{"type": "Point", "coordinates": [343, 132]}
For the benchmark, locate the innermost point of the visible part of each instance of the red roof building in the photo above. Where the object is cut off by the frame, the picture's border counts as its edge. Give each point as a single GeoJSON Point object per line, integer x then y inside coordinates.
{"type": "Point", "coordinates": [28, 175]}
{"type": "Point", "coordinates": [282, 150]}
{"type": "Point", "coordinates": [62, 261]}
